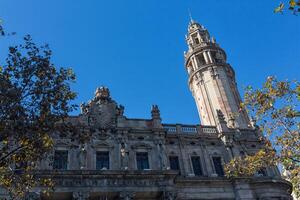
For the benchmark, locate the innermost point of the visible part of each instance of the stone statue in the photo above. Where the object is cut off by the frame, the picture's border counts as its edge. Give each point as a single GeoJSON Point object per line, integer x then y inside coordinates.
{"type": "Point", "coordinates": [82, 156]}
{"type": "Point", "coordinates": [231, 120]}
{"type": "Point", "coordinates": [124, 156]}
{"type": "Point", "coordinates": [161, 156]}
{"type": "Point", "coordinates": [84, 108]}
{"type": "Point", "coordinates": [121, 110]}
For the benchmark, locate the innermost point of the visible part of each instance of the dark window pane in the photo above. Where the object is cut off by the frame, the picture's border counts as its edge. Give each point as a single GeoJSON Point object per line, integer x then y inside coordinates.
{"type": "Point", "coordinates": [142, 160]}
{"type": "Point", "coordinates": [196, 165]}
{"type": "Point", "coordinates": [218, 166]}
{"type": "Point", "coordinates": [102, 160]}
{"type": "Point", "coordinates": [174, 163]}
{"type": "Point", "coordinates": [262, 172]}
{"type": "Point", "coordinates": [60, 160]}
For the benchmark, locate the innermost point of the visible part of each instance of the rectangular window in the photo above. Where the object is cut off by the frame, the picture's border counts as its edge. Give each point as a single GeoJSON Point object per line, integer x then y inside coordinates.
{"type": "Point", "coordinates": [262, 172]}
{"type": "Point", "coordinates": [60, 160]}
{"type": "Point", "coordinates": [218, 166]}
{"type": "Point", "coordinates": [174, 163]}
{"type": "Point", "coordinates": [142, 160]}
{"type": "Point", "coordinates": [196, 165]}
{"type": "Point", "coordinates": [102, 160]}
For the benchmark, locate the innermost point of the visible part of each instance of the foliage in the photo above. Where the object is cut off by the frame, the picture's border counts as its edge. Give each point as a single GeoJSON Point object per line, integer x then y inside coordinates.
{"type": "Point", "coordinates": [293, 6]}
{"type": "Point", "coordinates": [2, 30]}
{"type": "Point", "coordinates": [275, 108]}
{"type": "Point", "coordinates": [34, 97]}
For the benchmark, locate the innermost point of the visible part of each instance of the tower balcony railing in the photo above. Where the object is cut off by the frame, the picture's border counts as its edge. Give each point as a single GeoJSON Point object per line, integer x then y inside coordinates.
{"type": "Point", "coordinates": [190, 129]}
{"type": "Point", "coordinates": [200, 47]}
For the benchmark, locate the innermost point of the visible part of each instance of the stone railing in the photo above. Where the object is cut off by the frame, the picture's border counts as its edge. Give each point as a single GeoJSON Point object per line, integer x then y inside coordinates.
{"type": "Point", "coordinates": [209, 130]}
{"type": "Point", "coordinates": [200, 47]}
{"type": "Point", "coordinates": [190, 129]}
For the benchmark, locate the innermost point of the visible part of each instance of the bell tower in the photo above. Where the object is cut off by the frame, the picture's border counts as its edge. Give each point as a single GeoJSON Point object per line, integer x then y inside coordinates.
{"type": "Point", "coordinates": [212, 80]}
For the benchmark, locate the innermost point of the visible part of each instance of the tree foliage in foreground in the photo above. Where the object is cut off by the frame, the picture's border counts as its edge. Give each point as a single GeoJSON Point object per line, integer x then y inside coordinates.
{"type": "Point", "coordinates": [293, 6]}
{"type": "Point", "coordinates": [276, 108]}
{"type": "Point", "coordinates": [34, 96]}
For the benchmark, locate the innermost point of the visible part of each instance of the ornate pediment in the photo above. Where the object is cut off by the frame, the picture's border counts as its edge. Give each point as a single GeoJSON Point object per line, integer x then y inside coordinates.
{"type": "Point", "coordinates": [141, 145]}
{"type": "Point", "coordinates": [101, 144]}
{"type": "Point", "coordinates": [101, 112]}
{"type": "Point", "coordinates": [63, 143]}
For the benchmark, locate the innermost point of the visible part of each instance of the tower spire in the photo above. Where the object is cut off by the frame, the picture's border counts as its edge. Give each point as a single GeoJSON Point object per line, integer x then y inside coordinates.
{"type": "Point", "coordinates": [190, 15]}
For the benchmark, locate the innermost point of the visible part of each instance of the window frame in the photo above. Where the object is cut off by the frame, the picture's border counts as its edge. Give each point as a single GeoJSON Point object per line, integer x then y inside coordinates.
{"type": "Point", "coordinates": [67, 159]}
{"type": "Point", "coordinates": [109, 160]}
{"type": "Point", "coordinates": [200, 165]}
{"type": "Point", "coordinates": [136, 160]}
{"type": "Point", "coordinates": [222, 165]}
{"type": "Point", "coordinates": [178, 162]}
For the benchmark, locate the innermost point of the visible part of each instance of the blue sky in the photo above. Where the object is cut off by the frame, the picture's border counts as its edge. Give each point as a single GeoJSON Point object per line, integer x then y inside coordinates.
{"type": "Point", "coordinates": [136, 47]}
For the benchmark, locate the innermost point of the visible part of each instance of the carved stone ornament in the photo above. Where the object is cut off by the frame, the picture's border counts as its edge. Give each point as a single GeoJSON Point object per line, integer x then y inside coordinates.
{"type": "Point", "coordinates": [81, 195]}
{"type": "Point", "coordinates": [126, 195]}
{"type": "Point", "coordinates": [101, 112]}
{"type": "Point", "coordinates": [141, 145]}
{"type": "Point", "coordinates": [220, 116]}
{"type": "Point", "coordinates": [170, 195]}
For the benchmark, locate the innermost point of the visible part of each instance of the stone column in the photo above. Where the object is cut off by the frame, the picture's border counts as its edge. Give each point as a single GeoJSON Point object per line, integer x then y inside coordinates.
{"type": "Point", "coordinates": [126, 195]}
{"type": "Point", "coordinates": [207, 61]}
{"type": "Point", "coordinates": [210, 57]}
{"type": "Point", "coordinates": [81, 195]}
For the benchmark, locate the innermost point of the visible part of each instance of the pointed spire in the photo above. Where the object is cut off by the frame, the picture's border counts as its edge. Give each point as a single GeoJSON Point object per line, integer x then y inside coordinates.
{"type": "Point", "coordinates": [191, 18]}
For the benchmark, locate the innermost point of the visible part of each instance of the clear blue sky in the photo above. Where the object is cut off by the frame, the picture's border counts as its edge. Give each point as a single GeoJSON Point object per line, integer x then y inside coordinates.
{"type": "Point", "coordinates": [136, 47]}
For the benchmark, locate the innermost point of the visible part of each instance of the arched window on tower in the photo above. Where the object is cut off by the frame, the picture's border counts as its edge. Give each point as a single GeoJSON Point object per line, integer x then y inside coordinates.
{"type": "Point", "coordinates": [201, 59]}
{"type": "Point", "coordinates": [197, 40]}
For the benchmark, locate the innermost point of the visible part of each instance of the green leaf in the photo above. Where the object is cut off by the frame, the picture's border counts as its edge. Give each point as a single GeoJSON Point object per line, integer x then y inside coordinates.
{"type": "Point", "coordinates": [279, 8]}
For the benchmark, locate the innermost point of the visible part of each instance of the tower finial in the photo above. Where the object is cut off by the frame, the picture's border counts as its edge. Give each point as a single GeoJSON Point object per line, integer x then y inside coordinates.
{"type": "Point", "coordinates": [190, 14]}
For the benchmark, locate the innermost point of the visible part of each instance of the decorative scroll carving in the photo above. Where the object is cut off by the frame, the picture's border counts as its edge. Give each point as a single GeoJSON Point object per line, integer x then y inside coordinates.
{"type": "Point", "coordinates": [111, 182]}
{"type": "Point", "coordinates": [141, 146]}
{"type": "Point", "coordinates": [126, 195]}
{"type": "Point", "coordinates": [81, 195]}
{"type": "Point", "coordinates": [169, 195]}
{"type": "Point", "coordinates": [102, 144]}
{"type": "Point", "coordinates": [220, 116]}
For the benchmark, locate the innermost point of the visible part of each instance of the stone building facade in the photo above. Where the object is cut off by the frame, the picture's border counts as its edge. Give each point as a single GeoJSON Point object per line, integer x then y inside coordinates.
{"type": "Point", "coordinates": [146, 159]}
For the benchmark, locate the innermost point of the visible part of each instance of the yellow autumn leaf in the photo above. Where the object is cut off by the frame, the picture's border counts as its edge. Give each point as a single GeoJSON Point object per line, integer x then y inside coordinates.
{"type": "Point", "coordinates": [292, 3]}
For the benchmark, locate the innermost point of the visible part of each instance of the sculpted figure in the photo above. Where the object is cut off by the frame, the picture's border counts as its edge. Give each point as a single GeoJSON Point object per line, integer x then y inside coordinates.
{"type": "Point", "coordinates": [124, 156]}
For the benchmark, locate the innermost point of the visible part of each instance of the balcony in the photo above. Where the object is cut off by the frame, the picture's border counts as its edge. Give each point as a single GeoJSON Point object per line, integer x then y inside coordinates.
{"type": "Point", "coordinates": [190, 129]}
